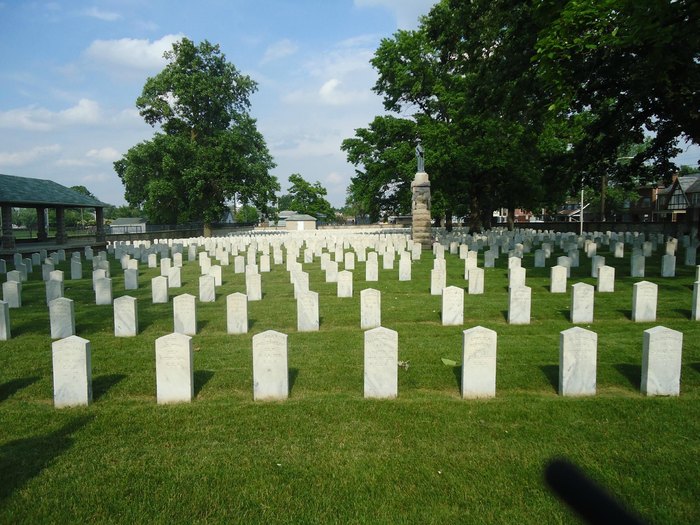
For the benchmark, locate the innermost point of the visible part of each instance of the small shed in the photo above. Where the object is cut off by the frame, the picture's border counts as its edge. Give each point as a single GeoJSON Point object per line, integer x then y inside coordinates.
{"type": "Point", "coordinates": [128, 225]}
{"type": "Point", "coordinates": [301, 222]}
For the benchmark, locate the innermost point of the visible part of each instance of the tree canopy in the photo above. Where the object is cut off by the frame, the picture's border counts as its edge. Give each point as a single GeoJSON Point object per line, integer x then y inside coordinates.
{"type": "Point", "coordinates": [310, 198]}
{"type": "Point", "coordinates": [518, 103]}
{"type": "Point", "coordinates": [208, 150]}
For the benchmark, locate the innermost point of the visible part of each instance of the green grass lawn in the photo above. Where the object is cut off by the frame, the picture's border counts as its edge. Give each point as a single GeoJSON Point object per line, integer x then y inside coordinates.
{"type": "Point", "coordinates": [326, 455]}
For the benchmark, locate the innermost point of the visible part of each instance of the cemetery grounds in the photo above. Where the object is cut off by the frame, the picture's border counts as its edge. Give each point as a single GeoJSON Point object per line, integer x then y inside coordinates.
{"type": "Point", "coordinates": [326, 455]}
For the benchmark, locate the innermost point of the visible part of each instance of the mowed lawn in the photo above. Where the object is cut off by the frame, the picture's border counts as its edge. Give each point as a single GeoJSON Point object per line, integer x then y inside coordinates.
{"type": "Point", "coordinates": [326, 455]}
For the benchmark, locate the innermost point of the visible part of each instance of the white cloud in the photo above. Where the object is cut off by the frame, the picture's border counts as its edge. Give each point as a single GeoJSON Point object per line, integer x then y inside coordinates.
{"type": "Point", "coordinates": [106, 16]}
{"type": "Point", "coordinates": [21, 158]}
{"type": "Point", "coordinates": [104, 154]}
{"type": "Point", "coordinates": [131, 53]}
{"type": "Point", "coordinates": [406, 12]}
{"type": "Point", "coordinates": [33, 118]}
{"type": "Point", "coordinates": [280, 49]}
{"type": "Point", "coordinates": [332, 94]}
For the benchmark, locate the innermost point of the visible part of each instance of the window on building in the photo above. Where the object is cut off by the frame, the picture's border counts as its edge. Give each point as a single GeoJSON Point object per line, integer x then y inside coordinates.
{"type": "Point", "coordinates": [678, 201]}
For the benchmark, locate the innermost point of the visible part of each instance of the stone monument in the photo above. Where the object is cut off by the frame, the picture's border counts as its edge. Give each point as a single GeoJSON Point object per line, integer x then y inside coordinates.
{"type": "Point", "coordinates": [420, 208]}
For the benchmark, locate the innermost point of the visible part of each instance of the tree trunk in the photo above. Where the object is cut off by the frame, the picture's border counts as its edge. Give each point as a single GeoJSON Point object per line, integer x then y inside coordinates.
{"type": "Point", "coordinates": [511, 218]}
{"type": "Point", "coordinates": [474, 214]}
{"type": "Point", "coordinates": [448, 220]}
{"type": "Point", "coordinates": [207, 229]}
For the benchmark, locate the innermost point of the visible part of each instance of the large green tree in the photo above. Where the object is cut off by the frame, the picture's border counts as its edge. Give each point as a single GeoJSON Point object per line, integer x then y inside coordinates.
{"type": "Point", "coordinates": [310, 198]}
{"type": "Point", "coordinates": [207, 151]}
{"type": "Point", "coordinates": [464, 78]}
{"type": "Point", "coordinates": [632, 67]}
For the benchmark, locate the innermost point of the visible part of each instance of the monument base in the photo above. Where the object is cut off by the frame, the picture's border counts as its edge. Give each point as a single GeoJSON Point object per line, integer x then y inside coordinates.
{"type": "Point", "coordinates": [420, 224]}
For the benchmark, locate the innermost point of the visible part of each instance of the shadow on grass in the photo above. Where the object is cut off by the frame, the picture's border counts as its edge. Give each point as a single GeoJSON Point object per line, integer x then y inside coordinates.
{"type": "Point", "coordinates": [696, 366]}
{"type": "Point", "coordinates": [23, 459]}
{"type": "Point", "coordinates": [292, 375]}
{"type": "Point", "coordinates": [566, 313]}
{"type": "Point", "coordinates": [551, 372]}
{"type": "Point", "coordinates": [457, 371]}
{"type": "Point", "coordinates": [252, 323]}
{"type": "Point", "coordinates": [11, 387]}
{"type": "Point", "coordinates": [626, 313]}
{"type": "Point", "coordinates": [505, 315]}
{"type": "Point", "coordinates": [683, 312]}
{"type": "Point", "coordinates": [632, 372]}
{"type": "Point", "coordinates": [102, 384]}
{"type": "Point", "coordinates": [201, 378]}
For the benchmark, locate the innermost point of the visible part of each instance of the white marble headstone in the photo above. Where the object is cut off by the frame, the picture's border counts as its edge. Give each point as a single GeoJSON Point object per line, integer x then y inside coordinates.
{"type": "Point", "coordinates": [381, 363]}
{"type": "Point", "coordinates": [578, 350]}
{"type": "Point", "coordinates": [236, 313]}
{"type": "Point", "coordinates": [478, 363]}
{"type": "Point", "coordinates": [72, 372]}
{"type": "Point", "coordinates": [270, 372]}
{"type": "Point", "coordinates": [185, 314]}
{"type": "Point", "coordinates": [661, 362]}
{"type": "Point", "coordinates": [174, 369]}
{"type": "Point", "coordinates": [644, 298]}
{"type": "Point", "coordinates": [452, 306]}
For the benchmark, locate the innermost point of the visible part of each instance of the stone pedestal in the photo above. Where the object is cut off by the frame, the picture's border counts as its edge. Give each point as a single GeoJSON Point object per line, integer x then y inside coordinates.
{"type": "Point", "coordinates": [420, 229]}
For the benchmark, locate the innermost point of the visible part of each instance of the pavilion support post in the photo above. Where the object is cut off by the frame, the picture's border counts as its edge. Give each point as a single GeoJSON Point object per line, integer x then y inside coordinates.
{"type": "Point", "coordinates": [41, 233]}
{"type": "Point", "coordinates": [100, 224]}
{"type": "Point", "coordinates": [8, 237]}
{"type": "Point", "coordinates": [61, 236]}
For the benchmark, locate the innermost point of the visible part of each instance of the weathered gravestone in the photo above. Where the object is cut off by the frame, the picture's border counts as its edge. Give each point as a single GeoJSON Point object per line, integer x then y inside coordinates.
{"type": "Point", "coordinates": [185, 314]}
{"type": "Point", "coordinates": [72, 372]}
{"type": "Point", "coordinates": [126, 317]}
{"type": "Point", "coordinates": [5, 332]}
{"type": "Point", "coordinates": [12, 293]}
{"type": "Point", "coordinates": [236, 313]}
{"type": "Point", "coordinates": [76, 269]}
{"type": "Point", "coordinates": [438, 281]}
{"type": "Point", "coordinates": [370, 308]}
{"type": "Point", "coordinates": [644, 297]}
{"type": "Point", "coordinates": [174, 369]}
{"type": "Point", "coordinates": [207, 289]}
{"type": "Point", "coordinates": [577, 362]}
{"type": "Point", "coordinates": [661, 362]}
{"type": "Point", "coordinates": [558, 276]}
{"type": "Point", "coordinates": [476, 281]}
{"type": "Point", "coordinates": [582, 299]}
{"type": "Point", "coordinates": [381, 363]}
{"type": "Point", "coordinates": [478, 363]}
{"type": "Point", "coordinates": [695, 309]}
{"type": "Point", "coordinates": [344, 288]}
{"type": "Point", "coordinates": [372, 267]}
{"type": "Point", "coordinates": [175, 277]}
{"type": "Point", "coordinates": [668, 265]}
{"type": "Point", "coordinates": [253, 286]}
{"type": "Point", "coordinates": [606, 279]}
{"type": "Point", "coordinates": [452, 306]}
{"type": "Point", "coordinates": [307, 312]}
{"type": "Point", "coordinates": [131, 279]}
{"type": "Point", "coordinates": [637, 263]}
{"type": "Point", "coordinates": [519, 298]}
{"type": "Point", "coordinates": [103, 291]}
{"type": "Point", "coordinates": [270, 372]}
{"type": "Point", "coordinates": [62, 318]}
{"type": "Point", "coordinates": [159, 290]}
{"type": "Point", "coordinates": [54, 290]}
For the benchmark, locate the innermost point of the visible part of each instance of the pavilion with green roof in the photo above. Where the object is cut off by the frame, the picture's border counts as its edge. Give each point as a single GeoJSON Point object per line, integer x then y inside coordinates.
{"type": "Point", "coordinates": [41, 194]}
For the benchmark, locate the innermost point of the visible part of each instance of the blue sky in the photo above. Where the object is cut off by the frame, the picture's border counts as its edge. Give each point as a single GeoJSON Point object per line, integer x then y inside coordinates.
{"type": "Point", "coordinates": [71, 72]}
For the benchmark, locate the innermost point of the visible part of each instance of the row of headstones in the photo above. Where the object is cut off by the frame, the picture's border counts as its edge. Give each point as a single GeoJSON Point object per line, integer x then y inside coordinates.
{"type": "Point", "coordinates": [661, 365]}
{"type": "Point", "coordinates": [524, 240]}
{"type": "Point", "coordinates": [126, 323]}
